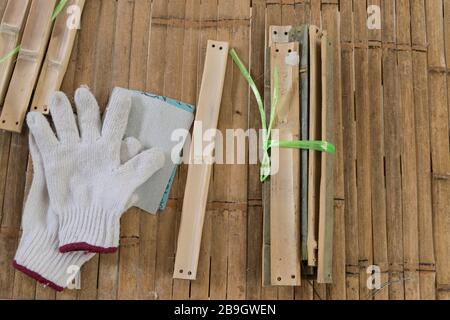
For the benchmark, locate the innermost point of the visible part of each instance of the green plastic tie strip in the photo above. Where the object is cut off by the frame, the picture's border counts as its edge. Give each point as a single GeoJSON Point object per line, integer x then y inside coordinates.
{"type": "Point", "coordinates": [10, 54]}
{"type": "Point", "coordinates": [16, 50]}
{"type": "Point", "coordinates": [322, 146]}
{"type": "Point", "coordinates": [58, 9]}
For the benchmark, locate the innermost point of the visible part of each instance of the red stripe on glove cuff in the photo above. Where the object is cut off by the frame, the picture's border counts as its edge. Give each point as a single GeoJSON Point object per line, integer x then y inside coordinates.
{"type": "Point", "coordinates": [37, 277]}
{"type": "Point", "coordinates": [83, 246]}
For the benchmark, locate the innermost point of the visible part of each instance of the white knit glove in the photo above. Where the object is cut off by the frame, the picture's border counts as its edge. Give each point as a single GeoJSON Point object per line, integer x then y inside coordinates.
{"type": "Point", "coordinates": [89, 189]}
{"type": "Point", "coordinates": [37, 254]}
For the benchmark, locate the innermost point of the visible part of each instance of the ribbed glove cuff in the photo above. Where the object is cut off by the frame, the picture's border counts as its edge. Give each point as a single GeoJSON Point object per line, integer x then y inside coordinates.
{"type": "Point", "coordinates": [91, 229]}
{"type": "Point", "coordinates": [38, 257]}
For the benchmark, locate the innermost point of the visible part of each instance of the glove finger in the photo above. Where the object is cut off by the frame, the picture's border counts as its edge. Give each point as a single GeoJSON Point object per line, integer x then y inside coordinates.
{"type": "Point", "coordinates": [117, 112]}
{"type": "Point", "coordinates": [41, 131]}
{"type": "Point", "coordinates": [129, 149]}
{"type": "Point", "coordinates": [140, 168]}
{"type": "Point", "coordinates": [62, 114]}
{"type": "Point", "coordinates": [37, 203]}
{"type": "Point", "coordinates": [88, 114]}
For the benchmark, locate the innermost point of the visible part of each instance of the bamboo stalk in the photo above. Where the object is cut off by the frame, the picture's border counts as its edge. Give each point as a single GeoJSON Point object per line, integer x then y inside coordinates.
{"type": "Point", "coordinates": [58, 56]}
{"type": "Point", "coordinates": [34, 42]}
{"type": "Point", "coordinates": [10, 32]}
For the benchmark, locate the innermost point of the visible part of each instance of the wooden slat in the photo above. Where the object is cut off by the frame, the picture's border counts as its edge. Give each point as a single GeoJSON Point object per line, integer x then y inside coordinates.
{"type": "Point", "coordinates": [363, 156]}
{"type": "Point", "coordinates": [304, 292]}
{"type": "Point", "coordinates": [11, 29]}
{"type": "Point", "coordinates": [408, 155]}
{"type": "Point", "coordinates": [427, 262]}
{"type": "Point", "coordinates": [349, 136]}
{"type": "Point", "coordinates": [326, 205]}
{"type": "Point", "coordinates": [392, 134]}
{"type": "Point", "coordinates": [276, 34]}
{"type": "Point", "coordinates": [29, 61]}
{"type": "Point", "coordinates": [377, 168]}
{"type": "Point", "coordinates": [315, 36]}
{"type": "Point", "coordinates": [57, 59]}
{"type": "Point", "coordinates": [301, 35]}
{"type": "Point", "coordinates": [285, 184]}
{"type": "Point", "coordinates": [197, 185]}
{"type": "Point", "coordinates": [276, 14]}
{"type": "Point", "coordinates": [330, 20]}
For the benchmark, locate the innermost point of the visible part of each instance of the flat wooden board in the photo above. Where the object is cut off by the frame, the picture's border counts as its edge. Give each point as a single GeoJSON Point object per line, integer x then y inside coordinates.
{"type": "Point", "coordinates": [301, 35]}
{"type": "Point", "coordinates": [285, 179]}
{"type": "Point", "coordinates": [326, 205]}
{"type": "Point", "coordinates": [199, 173]}
{"type": "Point", "coordinates": [314, 134]}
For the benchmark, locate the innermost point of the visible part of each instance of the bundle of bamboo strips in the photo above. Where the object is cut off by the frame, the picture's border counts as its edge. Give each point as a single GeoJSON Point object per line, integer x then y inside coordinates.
{"type": "Point", "coordinates": [298, 200]}
{"type": "Point", "coordinates": [18, 80]}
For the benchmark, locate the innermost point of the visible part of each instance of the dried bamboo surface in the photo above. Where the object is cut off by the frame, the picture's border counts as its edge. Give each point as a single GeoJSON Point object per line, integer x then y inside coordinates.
{"type": "Point", "coordinates": [392, 167]}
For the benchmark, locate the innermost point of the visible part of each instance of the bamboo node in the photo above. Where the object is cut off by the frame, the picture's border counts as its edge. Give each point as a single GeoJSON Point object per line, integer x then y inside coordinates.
{"type": "Point", "coordinates": [30, 55]}
{"type": "Point", "coordinates": [53, 63]}
{"type": "Point", "coordinates": [9, 29]}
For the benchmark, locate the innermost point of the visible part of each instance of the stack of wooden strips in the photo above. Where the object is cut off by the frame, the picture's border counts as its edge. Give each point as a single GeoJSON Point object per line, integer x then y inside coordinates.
{"type": "Point", "coordinates": [298, 198]}
{"type": "Point", "coordinates": [43, 46]}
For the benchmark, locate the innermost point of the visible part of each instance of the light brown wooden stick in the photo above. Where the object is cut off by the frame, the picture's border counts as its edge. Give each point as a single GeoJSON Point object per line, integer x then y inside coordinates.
{"type": "Point", "coordinates": [314, 134]}
{"type": "Point", "coordinates": [26, 71]}
{"type": "Point", "coordinates": [285, 181]}
{"type": "Point", "coordinates": [58, 55]}
{"type": "Point", "coordinates": [275, 34]}
{"type": "Point", "coordinates": [198, 179]}
{"type": "Point", "coordinates": [326, 197]}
